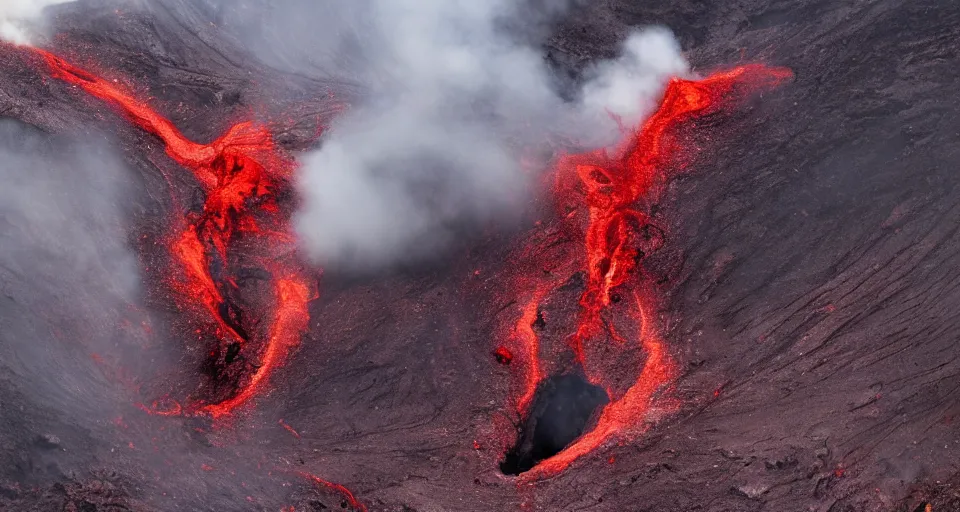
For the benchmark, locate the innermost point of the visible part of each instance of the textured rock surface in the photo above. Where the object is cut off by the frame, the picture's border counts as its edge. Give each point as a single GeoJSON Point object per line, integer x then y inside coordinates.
{"type": "Point", "coordinates": [808, 275]}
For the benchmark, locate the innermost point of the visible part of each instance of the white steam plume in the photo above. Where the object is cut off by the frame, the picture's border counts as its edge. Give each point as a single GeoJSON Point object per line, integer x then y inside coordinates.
{"type": "Point", "coordinates": [454, 94]}
{"type": "Point", "coordinates": [19, 19]}
{"type": "Point", "coordinates": [630, 85]}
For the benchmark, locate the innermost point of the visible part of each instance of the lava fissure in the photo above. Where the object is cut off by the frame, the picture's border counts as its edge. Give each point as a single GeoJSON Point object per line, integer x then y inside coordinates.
{"type": "Point", "coordinates": [240, 175]}
{"type": "Point", "coordinates": [600, 191]}
{"type": "Point", "coordinates": [349, 500]}
{"type": "Point", "coordinates": [531, 344]}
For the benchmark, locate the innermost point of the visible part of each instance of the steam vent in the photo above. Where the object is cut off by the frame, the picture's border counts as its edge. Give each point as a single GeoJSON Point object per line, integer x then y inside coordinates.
{"type": "Point", "coordinates": [509, 255]}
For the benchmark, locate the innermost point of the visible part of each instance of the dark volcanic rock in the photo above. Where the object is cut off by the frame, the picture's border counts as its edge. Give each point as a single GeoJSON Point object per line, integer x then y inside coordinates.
{"type": "Point", "coordinates": [48, 441]}
{"type": "Point", "coordinates": [560, 413]}
{"type": "Point", "coordinates": [808, 271]}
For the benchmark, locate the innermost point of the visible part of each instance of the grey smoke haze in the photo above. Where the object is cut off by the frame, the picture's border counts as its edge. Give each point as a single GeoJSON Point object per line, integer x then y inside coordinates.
{"type": "Point", "coordinates": [66, 271]}
{"type": "Point", "coordinates": [455, 91]}
{"type": "Point", "coordinates": [20, 20]}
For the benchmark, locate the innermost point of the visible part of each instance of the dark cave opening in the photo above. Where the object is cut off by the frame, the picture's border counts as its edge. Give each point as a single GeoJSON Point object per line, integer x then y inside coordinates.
{"type": "Point", "coordinates": [562, 409]}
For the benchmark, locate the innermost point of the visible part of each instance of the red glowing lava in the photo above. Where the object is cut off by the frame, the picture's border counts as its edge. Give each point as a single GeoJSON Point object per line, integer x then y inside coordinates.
{"type": "Point", "coordinates": [531, 345]}
{"type": "Point", "coordinates": [606, 185]}
{"type": "Point", "coordinates": [240, 174]}
{"type": "Point", "coordinates": [349, 499]}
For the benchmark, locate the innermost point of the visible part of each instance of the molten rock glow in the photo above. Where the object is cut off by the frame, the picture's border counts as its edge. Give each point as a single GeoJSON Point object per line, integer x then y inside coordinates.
{"type": "Point", "coordinates": [240, 174]}
{"type": "Point", "coordinates": [606, 186]}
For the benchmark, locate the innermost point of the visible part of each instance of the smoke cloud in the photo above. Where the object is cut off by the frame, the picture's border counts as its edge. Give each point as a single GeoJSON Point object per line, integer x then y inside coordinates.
{"type": "Point", "coordinates": [20, 19]}
{"type": "Point", "coordinates": [453, 99]}
{"type": "Point", "coordinates": [455, 91]}
{"type": "Point", "coordinates": [67, 273]}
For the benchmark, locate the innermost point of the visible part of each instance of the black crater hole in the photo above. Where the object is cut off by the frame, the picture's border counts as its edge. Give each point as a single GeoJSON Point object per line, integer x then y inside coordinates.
{"type": "Point", "coordinates": [562, 408]}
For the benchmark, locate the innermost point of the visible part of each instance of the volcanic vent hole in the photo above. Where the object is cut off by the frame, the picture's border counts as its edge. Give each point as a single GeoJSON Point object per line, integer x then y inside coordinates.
{"type": "Point", "coordinates": [562, 408]}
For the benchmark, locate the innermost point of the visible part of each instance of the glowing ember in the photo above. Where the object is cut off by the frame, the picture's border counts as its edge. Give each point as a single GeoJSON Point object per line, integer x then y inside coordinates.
{"type": "Point", "coordinates": [503, 355]}
{"type": "Point", "coordinates": [240, 174]}
{"type": "Point", "coordinates": [617, 236]}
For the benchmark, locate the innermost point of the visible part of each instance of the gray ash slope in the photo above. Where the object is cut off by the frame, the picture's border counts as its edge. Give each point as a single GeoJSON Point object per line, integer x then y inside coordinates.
{"type": "Point", "coordinates": [809, 275]}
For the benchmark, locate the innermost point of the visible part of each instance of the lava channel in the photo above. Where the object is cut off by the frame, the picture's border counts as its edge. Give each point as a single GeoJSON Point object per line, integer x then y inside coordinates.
{"type": "Point", "coordinates": [606, 187]}
{"type": "Point", "coordinates": [240, 174]}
